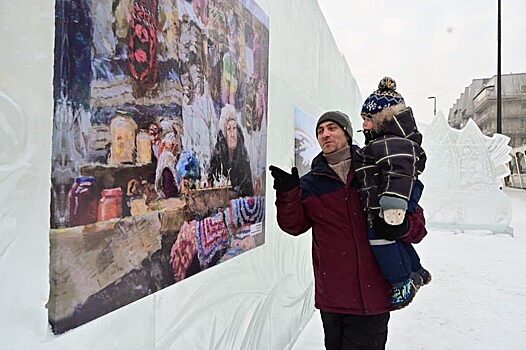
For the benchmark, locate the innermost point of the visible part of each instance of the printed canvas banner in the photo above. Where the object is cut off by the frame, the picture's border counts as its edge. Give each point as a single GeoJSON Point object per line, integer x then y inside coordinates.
{"type": "Point", "coordinates": [306, 145]}
{"type": "Point", "coordinates": [159, 147]}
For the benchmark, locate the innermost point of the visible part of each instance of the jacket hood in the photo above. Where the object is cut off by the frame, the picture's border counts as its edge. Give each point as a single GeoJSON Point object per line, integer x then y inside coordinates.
{"type": "Point", "coordinates": [401, 124]}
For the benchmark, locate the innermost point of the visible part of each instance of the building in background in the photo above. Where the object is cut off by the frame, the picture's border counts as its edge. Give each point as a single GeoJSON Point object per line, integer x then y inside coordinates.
{"type": "Point", "coordinates": [517, 165]}
{"type": "Point", "coordinates": [479, 102]}
{"type": "Point", "coordinates": [463, 108]}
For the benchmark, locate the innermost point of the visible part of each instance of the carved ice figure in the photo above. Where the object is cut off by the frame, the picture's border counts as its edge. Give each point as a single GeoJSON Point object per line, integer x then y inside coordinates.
{"type": "Point", "coordinates": [16, 149]}
{"type": "Point", "coordinates": [462, 178]}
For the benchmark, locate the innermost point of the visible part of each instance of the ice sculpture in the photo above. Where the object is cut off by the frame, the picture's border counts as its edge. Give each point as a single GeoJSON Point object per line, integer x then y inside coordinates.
{"type": "Point", "coordinates": [15, 152]}
{"type": "Point", "coordinates": [463, 178]}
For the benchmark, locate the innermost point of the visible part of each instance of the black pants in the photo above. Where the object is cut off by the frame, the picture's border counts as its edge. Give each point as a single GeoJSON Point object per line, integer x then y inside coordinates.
{"type": "Point", "coordinates": [354, 332]}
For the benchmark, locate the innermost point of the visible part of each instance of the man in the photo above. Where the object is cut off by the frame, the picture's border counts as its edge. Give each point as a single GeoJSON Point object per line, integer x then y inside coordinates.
{"type": "Point", "coordinates": [350, 291]}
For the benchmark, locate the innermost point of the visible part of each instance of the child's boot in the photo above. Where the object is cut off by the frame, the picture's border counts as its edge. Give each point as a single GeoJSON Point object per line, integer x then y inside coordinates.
{"type": "Point", "coordinates": [404, 292]}
{"type": "Point", "coordinates": [426, 276]}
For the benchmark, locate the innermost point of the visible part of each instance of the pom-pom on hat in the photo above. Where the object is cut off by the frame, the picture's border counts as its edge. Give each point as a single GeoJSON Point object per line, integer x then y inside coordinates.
{"type": "Point", "coordinates": [382, 99]}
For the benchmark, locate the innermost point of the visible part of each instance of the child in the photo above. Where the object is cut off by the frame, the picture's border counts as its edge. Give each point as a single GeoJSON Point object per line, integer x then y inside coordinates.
{"type": "Point", "coordinates": [388, 168]}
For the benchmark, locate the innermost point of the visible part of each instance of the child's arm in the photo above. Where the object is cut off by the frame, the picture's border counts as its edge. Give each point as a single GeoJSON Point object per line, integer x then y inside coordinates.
{"type": "Point", "coordinates": [398, 167]}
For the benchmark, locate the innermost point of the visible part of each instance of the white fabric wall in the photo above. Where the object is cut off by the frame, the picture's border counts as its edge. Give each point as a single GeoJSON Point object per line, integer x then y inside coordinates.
{"type": "Point", "coordinates": [259, 300]}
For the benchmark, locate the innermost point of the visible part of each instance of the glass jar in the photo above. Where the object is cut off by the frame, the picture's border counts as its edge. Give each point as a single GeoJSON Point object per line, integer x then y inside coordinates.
{"type": "Point", "coordinates": [122, 133]}
{"type": "Point", "coordinates": [83, 201]}
{"type": "Point", "coordinates": [144, 147]}
{"type": "Point", "coordinates": [110, 204]}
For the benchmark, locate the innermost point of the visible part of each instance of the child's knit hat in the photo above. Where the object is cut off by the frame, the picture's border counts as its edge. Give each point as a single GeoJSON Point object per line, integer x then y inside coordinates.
{"type": "Point", "coordinates": [382, 99]}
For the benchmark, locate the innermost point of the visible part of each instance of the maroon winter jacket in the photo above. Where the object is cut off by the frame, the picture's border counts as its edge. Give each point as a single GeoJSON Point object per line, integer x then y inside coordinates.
{"type": "Point", "coordinates": [347, 278]}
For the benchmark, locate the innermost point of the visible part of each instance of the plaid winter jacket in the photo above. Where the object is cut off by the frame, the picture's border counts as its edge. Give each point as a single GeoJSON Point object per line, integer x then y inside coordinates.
{"type": "Point", "coordinates": [390, 162]}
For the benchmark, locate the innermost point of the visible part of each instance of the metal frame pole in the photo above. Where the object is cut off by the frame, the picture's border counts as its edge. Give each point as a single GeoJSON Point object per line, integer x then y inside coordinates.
{"type": "Point", "coordinates": [499, 75]}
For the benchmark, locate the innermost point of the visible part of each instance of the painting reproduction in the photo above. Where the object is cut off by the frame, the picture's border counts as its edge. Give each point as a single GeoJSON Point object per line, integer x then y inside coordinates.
{"type": "Point", "coordinates": [159, 147]}
{"type": "Point", "coordinates": [305, 143]}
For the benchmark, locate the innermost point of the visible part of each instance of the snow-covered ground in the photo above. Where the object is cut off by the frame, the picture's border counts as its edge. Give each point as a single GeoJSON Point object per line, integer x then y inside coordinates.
{"type": "Point", "coordinates": [477, 299]}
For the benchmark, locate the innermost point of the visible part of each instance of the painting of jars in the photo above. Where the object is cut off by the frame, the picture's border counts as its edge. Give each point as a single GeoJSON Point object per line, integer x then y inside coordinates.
{"type": "Point", "coordinates": [159, 147]}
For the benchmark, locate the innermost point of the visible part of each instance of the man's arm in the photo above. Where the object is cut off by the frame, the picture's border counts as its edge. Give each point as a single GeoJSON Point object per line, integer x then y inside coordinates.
{"type": "Point", "coordinates": [417, 227]}
{"type": "Point", "coordinates": [291, 215]}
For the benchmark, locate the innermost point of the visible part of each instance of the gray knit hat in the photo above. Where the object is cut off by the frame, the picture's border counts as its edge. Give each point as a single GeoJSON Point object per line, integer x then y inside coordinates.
{"type": "Point", "coordinates": [339, 118]}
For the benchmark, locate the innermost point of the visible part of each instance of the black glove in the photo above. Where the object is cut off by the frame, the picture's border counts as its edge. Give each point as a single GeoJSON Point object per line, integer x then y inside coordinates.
{"type": "Point", "coordinates": [390, 232]}
{"type": "Point", "coordinates": [283, 181]}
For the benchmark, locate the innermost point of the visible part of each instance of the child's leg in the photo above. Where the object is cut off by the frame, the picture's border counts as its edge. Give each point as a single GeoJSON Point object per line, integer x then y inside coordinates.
{"type": "Point", "coordinates": [413, 256]}
{"type": "Point", "coordinates": [392, 258]}
{"type": "Point", "coordinates": [415, 263]}
{"type": "Point", "coordinates": [395, 262]}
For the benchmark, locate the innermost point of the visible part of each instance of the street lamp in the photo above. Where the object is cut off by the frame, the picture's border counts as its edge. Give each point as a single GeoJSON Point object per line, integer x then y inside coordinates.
{"type": "Point", "coordinates": [434, 104]}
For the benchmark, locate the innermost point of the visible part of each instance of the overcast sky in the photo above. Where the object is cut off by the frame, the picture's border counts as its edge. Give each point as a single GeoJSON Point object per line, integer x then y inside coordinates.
{"type": "Point", "coordinates": [431, 48]}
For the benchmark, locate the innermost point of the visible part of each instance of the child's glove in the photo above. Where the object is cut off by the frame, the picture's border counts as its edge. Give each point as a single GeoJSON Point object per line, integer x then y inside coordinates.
{"type": "Point", "coordinates": [390, 232]}
{"type": "Point", "coordinates": [283, 181]}
{"type": "Point", "coordinates": [394, 216]}
{"type": "Point", "coordinates": [393, 209]}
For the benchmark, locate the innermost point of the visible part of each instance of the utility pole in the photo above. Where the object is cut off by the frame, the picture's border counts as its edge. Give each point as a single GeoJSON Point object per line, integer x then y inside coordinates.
{"type": "Point", "coordinates": [499, 77]}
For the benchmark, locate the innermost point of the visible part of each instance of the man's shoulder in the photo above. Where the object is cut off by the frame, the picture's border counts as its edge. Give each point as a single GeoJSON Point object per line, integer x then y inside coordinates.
{"type": "Point", "coordinates": [308, 177]}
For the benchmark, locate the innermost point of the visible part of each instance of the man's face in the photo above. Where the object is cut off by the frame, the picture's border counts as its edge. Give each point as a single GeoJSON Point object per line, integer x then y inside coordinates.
{"type": "Point", "coordinates": [331, 137]}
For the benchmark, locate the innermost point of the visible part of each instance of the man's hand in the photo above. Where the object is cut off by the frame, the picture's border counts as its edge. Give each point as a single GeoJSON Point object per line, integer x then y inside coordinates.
{"type": "Point", "coordinates": [283, 181]}
{"type": "Point", "coordinates": [390, 232]}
